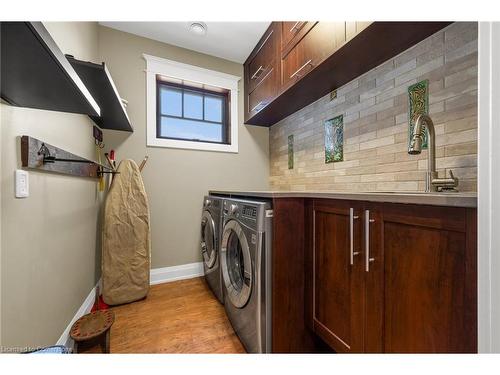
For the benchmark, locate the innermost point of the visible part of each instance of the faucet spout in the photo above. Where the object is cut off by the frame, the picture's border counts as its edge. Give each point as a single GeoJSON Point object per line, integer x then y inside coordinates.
{"type": "Point", "coordinates": [416, 148]}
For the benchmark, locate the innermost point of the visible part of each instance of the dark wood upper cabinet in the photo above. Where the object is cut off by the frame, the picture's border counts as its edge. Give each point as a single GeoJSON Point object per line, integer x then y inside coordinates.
{"type": "Point", "coordinates": [317, 41]}
{"type": "Point", "coordinates": [291, 30]}
{"type": "Point", "coordinates": [313, 58]}
{"type": "Point", "coordinates": [262, 71]}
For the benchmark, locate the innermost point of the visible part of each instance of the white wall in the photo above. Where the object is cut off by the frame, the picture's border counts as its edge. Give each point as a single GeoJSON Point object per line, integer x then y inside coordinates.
{"type": "Point", "coordinates": [49, 261]}
{"type": "Point", "coordinates": [176, 180]}
{"type": "Point", "coordinates": [489, 189]}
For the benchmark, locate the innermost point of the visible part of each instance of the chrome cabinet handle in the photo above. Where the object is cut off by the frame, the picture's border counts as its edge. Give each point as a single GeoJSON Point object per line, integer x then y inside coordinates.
{"type": "Point", "coordinates": [258, 105]}
{"type": "Point", "coordinates": [293, 29]}
{"type": "Point", "coordinates": [259, 69]}
{"type": "Point", "coordinates": [352, 217]}
{"type": "Point", "coordinates": [368, 260]}
{"type": "Point", "coordinates": [302, 67]}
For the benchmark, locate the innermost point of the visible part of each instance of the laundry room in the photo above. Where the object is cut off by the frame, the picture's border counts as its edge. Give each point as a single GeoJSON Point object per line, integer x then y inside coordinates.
{"type": "Point", "coordinates": [284, 184]}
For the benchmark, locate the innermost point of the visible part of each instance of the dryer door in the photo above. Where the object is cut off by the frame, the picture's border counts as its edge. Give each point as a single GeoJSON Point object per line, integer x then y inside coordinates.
{"type": "Point", "coordinates": [208, 239]}
{"type": "Point", "coordinates": [236, 264]}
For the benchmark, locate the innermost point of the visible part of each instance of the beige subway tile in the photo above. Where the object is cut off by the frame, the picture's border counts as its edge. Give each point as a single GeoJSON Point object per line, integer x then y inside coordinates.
{"type": "Point", "coordinates": [398, 186]}
{"type": "Point", "coordinates": [348, 178]}
{"type": "Point", "coordinates": [415, 175]}
{"type": "Point", "coordinates": [421, 70]}
{"type": "Point", "coordinates": [396, 72]}
{"type": "Point", "coordinates": [464, 50]}
{"type": "Point", "coordinates": [457, 28]}
{"type": "Point", "coordinates": [391, 149]}
{"type": "Point", "coordinates": [468, 99]}
{"type": "Point", "coordinates": [452, 91]}
{"type": "Point", "coordinates": [362, 105]}
{"type": "Point", "coordinates": [464, 173]}
{"type": "Point", "coordinates": [378, 177]}
{"type": "Point", "coordinates": [461, 124]}
{"type": "Point", "coordinates": [377, 143]}
{"type": "Point", "coordinates": [456, 137]}
{"type": "Point", "coordinates": [389, 103]}
{"type": "Point", "coordinates": [377, 90]}
{"type": "Point", "coordinates": [435, 41]}
{"type": "Point", "coordinates": [457, 161]}
{"type": "Point", "coordinates": [469, 148]}
{"type": "Point", "coordinates": [462, 111]}
{"type": "Point", "coordinates": [461, 76]}
{"type": "Point", "coordinates": [397, 167]}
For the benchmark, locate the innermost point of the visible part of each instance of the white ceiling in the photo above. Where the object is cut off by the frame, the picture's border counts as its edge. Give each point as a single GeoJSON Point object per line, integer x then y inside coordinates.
{"type": "Point", "coordinates": [228, 40]}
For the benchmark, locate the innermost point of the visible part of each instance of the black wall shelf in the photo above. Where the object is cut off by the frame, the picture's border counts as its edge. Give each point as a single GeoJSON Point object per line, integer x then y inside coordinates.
{"type": "Point", "coordinates": [36, 74]}
{"type": "Point", "coordinates": [98, 80]}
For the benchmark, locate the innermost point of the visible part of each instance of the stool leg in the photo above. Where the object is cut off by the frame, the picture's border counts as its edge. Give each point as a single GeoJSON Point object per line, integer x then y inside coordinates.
{"type": "Point", "coordinates": [76, 347]}
{"type": "Point", "coordinates": [107, 340]}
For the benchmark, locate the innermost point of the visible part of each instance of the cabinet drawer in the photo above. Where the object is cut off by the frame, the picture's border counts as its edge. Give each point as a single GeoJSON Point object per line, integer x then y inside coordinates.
{"type": "Point", "coordinates": [290, 30]}
{"type": "Point", "coordinates": [319, 42]}
{"type": "Point", "coordinates": [263, 93]}
{"type": "Point", "coordinates": [264, 60]}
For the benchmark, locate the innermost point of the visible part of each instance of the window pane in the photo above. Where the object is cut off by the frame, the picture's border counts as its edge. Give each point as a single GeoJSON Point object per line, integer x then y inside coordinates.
{"type": "Point", "coordinates": [193, 105]}
{"type": "Point", "coordinates": [213, 108]}
{"type": "Point", "coordinates": [171, 101]}
{"type": "Point", "coordinates": [190, 129]}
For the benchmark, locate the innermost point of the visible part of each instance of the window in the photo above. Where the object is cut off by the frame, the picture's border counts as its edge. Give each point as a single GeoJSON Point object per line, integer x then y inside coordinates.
{"type": "Point", "coordinates": [190, 107]}
{"type": "Point", "coordinates": [193, 114]}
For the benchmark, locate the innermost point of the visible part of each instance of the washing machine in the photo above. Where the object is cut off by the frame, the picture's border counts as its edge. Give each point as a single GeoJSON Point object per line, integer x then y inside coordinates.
{"type": "Point", "coordinates": [211, 227]}
{"type": "Point", "coordinates": [246, 256]}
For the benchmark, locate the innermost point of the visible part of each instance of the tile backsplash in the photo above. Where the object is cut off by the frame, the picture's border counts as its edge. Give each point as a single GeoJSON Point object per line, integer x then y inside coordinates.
{"type": "Point", "coordinates": [374, 109]}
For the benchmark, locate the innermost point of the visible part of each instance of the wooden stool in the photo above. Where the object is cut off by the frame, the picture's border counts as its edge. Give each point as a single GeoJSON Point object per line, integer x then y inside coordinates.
{"type": "Point", "coordinates": [92, 325]}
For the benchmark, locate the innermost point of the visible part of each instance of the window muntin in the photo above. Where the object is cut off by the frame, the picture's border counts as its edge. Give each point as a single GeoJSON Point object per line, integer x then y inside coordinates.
{"type": "Point", "coordinates": [192, 114]}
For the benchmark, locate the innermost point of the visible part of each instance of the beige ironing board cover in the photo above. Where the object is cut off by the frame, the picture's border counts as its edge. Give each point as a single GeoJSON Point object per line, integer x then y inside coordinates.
{"type": "Point", "coordinates": [126, 238]}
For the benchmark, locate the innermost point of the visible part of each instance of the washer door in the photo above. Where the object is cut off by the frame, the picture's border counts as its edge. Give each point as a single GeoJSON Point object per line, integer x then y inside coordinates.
{"type": "Point", "coordinates": [208, 239]}
{"type": "Point", "coordinates": [236, 264]}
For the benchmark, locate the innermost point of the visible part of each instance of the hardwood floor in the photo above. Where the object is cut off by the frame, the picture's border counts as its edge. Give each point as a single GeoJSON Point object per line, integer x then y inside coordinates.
{"type": "Point", "coordinates": [177, 317]}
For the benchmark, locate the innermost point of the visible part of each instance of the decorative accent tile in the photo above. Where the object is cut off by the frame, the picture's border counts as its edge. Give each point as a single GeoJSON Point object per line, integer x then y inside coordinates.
{"type": "Point", "coordinates": [334, 139]}
{"type": "Point", "coordinates": [290, 151]}
{"type": "Point", "coordinates": [418, 103]}
{"type": "Point", "coordinates": [333, 95]}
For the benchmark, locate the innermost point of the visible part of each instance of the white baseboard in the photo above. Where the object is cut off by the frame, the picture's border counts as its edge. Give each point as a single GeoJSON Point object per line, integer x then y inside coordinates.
{"type": "Point", "coordinates": [168, 274]}
{"type": "Point", "coordinates": [157, 276]}
{"type": "Point", "coordinates": [85, 308]}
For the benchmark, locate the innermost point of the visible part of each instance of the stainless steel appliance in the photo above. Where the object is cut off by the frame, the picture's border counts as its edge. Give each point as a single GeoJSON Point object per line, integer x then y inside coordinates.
{"type": "Point", "coordinates": [211, 227]}
{"type": "Point", "coordinates": [246, 271]}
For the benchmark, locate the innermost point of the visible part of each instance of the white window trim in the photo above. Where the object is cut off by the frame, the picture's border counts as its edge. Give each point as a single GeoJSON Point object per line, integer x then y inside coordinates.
{"type": "Point", "coordinates": [159, 66]}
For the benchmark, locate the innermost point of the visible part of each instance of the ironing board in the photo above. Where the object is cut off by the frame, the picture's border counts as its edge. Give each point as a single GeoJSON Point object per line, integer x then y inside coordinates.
{"type": "Point", "coordinates": [126, 238]}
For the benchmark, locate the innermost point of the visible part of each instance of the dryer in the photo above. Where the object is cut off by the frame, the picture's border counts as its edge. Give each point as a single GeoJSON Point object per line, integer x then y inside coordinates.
{"type": "Point", "coordinates": [246, 256]}
{"type": "Point", "coordinates": [211, 226]}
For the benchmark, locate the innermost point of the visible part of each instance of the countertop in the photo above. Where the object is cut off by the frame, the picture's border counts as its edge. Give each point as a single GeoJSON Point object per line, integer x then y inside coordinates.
{"type": "Point", "coordinates": [435, 199]}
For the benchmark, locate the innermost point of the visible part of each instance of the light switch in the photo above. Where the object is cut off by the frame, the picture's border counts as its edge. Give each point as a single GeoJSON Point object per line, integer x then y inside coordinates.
{"type": "Point", "coordinates": [22, 184]}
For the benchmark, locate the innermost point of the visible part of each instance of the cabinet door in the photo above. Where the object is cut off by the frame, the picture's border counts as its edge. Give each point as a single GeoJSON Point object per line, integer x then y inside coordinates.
{"type": "Point", "coordinates": [290, 30]}
{"type": "Point", "coordinates": [337, 290]}
{"type": "Point", "coordinates": [263, 94]}
{"type": "Point", "coordinates": [320, 41]}
{"type": "Point", "coordinates": [430, 297]}
{"type": "Point", "coordinates": [265, 58]}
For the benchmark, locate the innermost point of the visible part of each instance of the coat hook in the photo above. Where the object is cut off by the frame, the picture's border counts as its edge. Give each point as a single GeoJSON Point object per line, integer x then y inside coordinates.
{"type": "Point", "coordinates": [143, 163]}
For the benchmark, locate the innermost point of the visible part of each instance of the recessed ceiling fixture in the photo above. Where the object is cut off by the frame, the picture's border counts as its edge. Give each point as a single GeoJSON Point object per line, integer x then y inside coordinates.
{"type": "Point", "coordinates": [198, 28]}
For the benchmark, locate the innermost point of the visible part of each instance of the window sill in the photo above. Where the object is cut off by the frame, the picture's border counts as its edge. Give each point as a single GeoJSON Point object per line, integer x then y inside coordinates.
{"type": "Point", "coordinates": [192, 145]}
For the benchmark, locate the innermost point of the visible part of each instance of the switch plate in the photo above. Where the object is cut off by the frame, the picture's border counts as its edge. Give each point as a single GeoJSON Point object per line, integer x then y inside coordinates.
{"type": "Point", "coordinates": [22, 184]}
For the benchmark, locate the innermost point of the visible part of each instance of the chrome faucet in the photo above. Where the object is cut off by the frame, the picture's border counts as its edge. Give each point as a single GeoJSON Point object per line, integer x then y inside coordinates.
{"type": "Point", "coordinates": [432, 182]}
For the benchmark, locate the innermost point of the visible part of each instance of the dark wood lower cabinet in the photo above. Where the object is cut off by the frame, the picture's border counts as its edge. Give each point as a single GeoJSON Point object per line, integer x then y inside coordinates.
{"type": "Point", "coordinates": [338, 298]}
{"type": "Point", "coordinates": [410, 285]}
{"type": "Point", "coordinates": [428, 304]}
